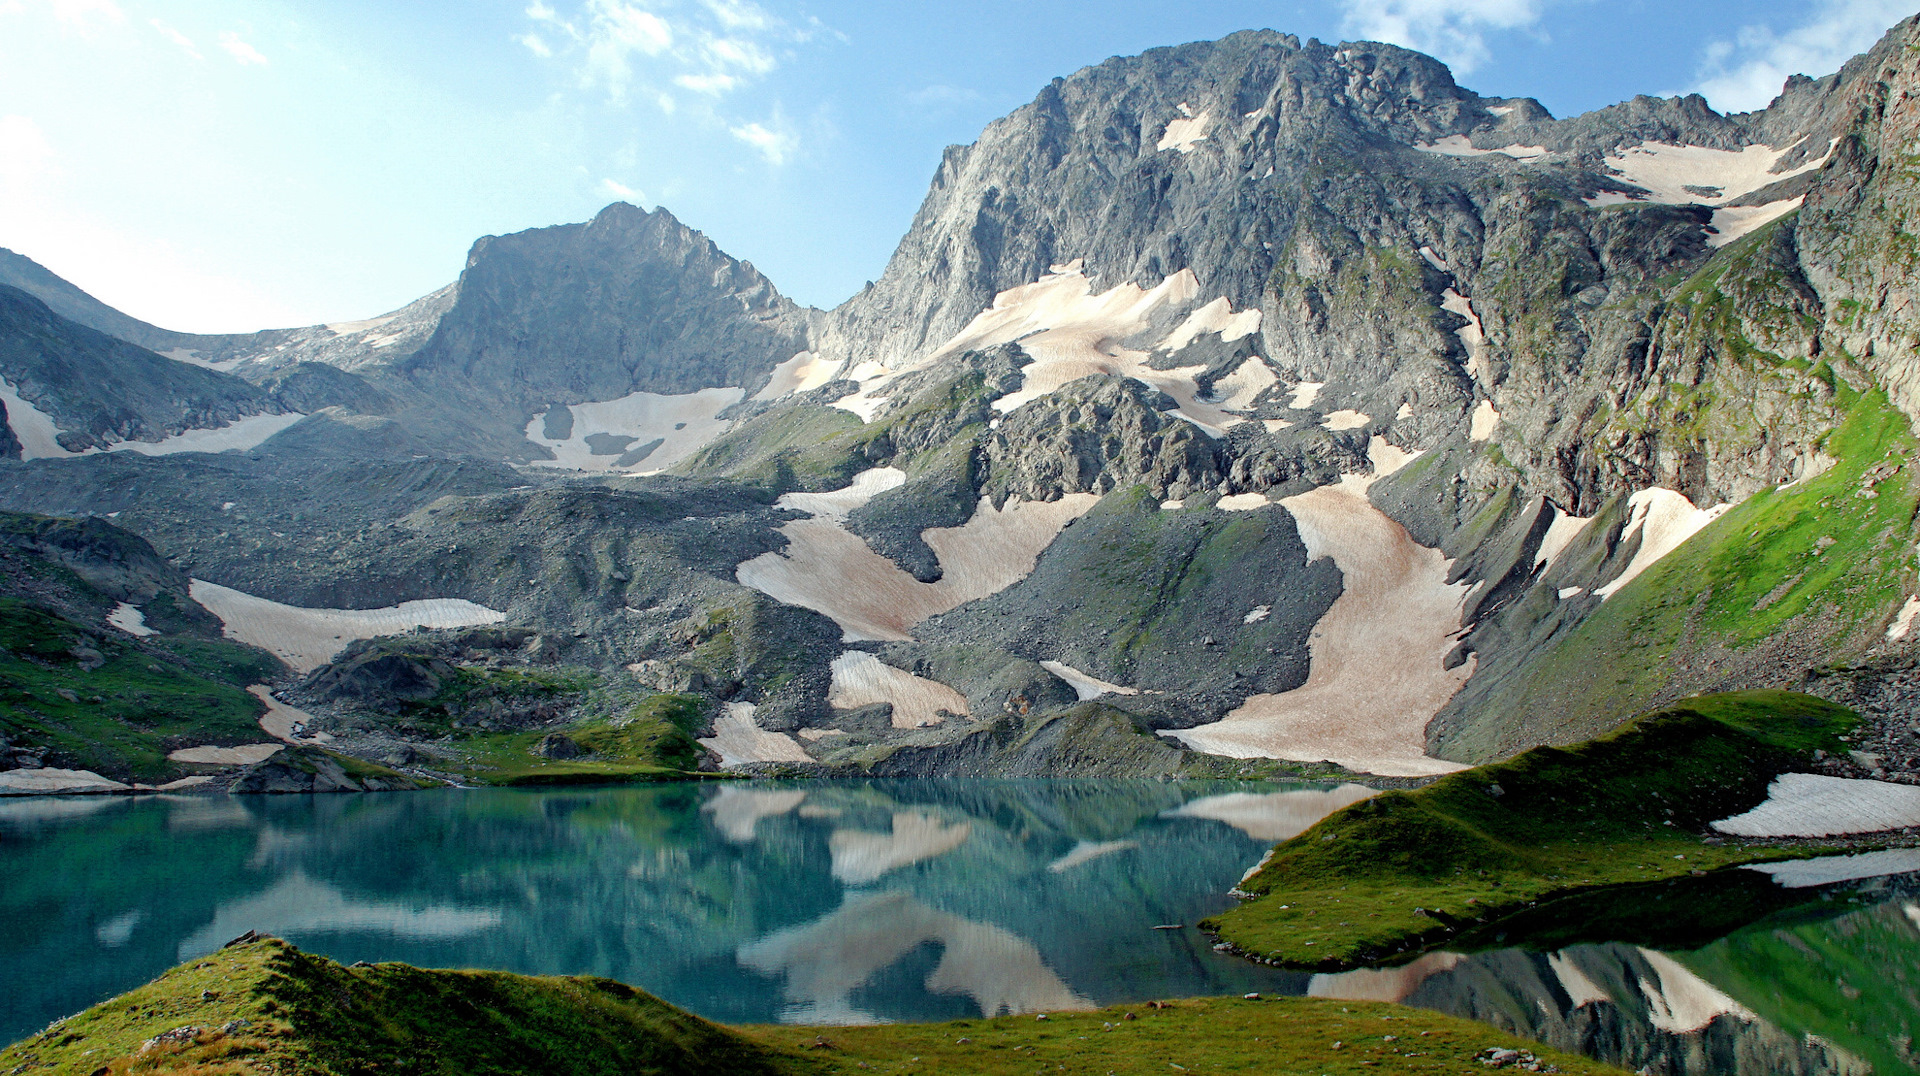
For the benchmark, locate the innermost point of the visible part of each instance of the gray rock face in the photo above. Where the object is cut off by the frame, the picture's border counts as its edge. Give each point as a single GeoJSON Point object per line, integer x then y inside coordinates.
{"type": "Point", "coordinates": [311, 770]}
{"type": "Point", "coordinates": [99, 389]}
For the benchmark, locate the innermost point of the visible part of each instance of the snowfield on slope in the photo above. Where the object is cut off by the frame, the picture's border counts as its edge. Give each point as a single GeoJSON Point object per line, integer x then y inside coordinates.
{"type": "Point", "coordinates": [1813, 805]}
{"type": "Point", "coordinates": [39, 437]}
{"type": "Point", "coordinates": [606, 432]}
{"type": "Point", "coordinates": [833, 571]}
{"type": "Point", "coordinates": [1070, 332]}
{"type": "Point", "coordinates": [308, 638]}
{"type": "Point", "coordinates": [1376, 675]}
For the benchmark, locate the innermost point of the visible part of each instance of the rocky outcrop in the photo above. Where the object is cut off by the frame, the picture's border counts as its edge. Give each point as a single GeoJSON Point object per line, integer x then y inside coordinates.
{"type": "Point", "coordinates": [99, 390]}
{"type": "Point", "coordinates": [309, 770]}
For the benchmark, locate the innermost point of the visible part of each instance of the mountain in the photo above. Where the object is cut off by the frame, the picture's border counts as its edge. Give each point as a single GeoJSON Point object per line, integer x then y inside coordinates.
{"type": "Point", "coordinates": [1292, 401]}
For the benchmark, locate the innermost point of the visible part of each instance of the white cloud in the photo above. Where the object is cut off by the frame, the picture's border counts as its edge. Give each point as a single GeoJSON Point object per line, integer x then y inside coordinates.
{"type": "Point", "coordinates": [242, 52]}
{"type": "Point", "coordinates": [621, 191]}
{"type": "Point", "coordinates": [635, 49]}
{"type": "Point", "coordinates": [774, 145]}
{"type": "Point", "coordinates": [186, 43]}
{"type": "Point", "coordinates": [1449, 29]}
{"type": "Point", "coordinates": [616, 32]}
{"type": "Point", "coordinates": [1747, 72]}
{"type": "Point", "coordinates": [80, 14]}
{"type": "Point", "coordinates": [708, 84]}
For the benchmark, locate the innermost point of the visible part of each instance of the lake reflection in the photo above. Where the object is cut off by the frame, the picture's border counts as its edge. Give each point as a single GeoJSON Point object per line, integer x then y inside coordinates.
{"type": "Point", "coordinates": [863, 901]}
{"type": "Point", "coordinates": [828, 901]}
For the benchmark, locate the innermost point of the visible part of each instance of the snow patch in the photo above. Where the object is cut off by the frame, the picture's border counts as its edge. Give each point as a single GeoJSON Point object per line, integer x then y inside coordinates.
{"type": "Point", "coordinates": [1581, 989]}
{"type": "Point", "coordinates": [50, 781]}
{"type": "Point", "coordinates": [1681, 1002]}
{"type": "Point", "coordinates": [1084, 685]}
{"type": "Point", "coordinates": [283, 722]}
{"type": "Point", "coordinates": [860, 857]}
{"type": "Point", "coordinates": [1902, 622]}
{"type": "Point", "coordinates": [1664, 520]}
{"type": "Point", "coordinates": [738, 740]}
{"type": "Point", "coordinates": [1086, 852]}
{"type": "Point", "coordinates": [1273, 816]}
{"type": "Point", "coordinates": [130, 619]}
{"type": "Point", "coordinates": [1376, 675]}
{"type": "Point", "coordinates": [308, 638]}
{"type": "Point", "coordinates": [1242, 502]}
{"type": "Point", "coordinates": [1830, 870]}
{"type": "Point", "coordinates": [1473, 335]}
{"type": "Point", "coordinates": [1560, 534]}
{"type": "Point", "coordinates": [1304, 393]}
{"type": "Point", "coordinates": [1382, 984]}
{"type": "Point", "coordinates": [243, 435]}
{"type": "Point", "coordinates": [1736, 221]}
{"type": "Point", "coordinates": [683, 424]}
{"type": "Point", "coordinates": [1666, 171]}
{"type": "Point", "coordinates": [1435, 260]}
{"type": "Point", "coordinates": [1238, 390]}
{"type": "Point", "coordinates": [1388, 457]}
{"type": "Point", "coordinates": [1215, 317]}
{"type": "Point", "coordinates": [1346, 420]}
{"type": "Point", "coordinates": [1462, 146]}
{"type": "Point", "coordinates": [1812, 805]}
{"type": "Point", "coordinates": [837, 504]}
{"type": "Point", "coordinates": [802, 373]}
{"type": "Point", "coordinates": [1183, 134]}
{"type": "Point", "coordinates": [737, 811]}
{"type": "Point", "coordinates": [1567, 592]}
{"type": "Point", "coordinates": [826, 961]}
{"type": "Point", "coordinates": [832, 571]}
{"type": "Point", "coordinates": [243, 755]}
{"type": "Point", "coordinates": [1257, 614]}
{"type": "Point", "coordinates": [860, 679]}
{"type": "Point", "coordinates": [1485, 420]}
{"type": "Point", "coordinates": [33, 428]}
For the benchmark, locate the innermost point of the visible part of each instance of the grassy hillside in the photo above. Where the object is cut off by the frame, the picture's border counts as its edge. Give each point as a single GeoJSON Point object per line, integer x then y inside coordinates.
{"type": "Point", "coordinates": [101, 701]}
{"type": "Point", "coordinates": [260, 1005]}
{"type": "Point", "coordinates": [1407, 871]}
{"type": "Point", "coordinates": [1786, 578]}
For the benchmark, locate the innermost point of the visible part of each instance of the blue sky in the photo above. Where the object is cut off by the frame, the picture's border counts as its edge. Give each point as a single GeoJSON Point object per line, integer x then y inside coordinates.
{"type": "Point", "coordinates": [228, 165]}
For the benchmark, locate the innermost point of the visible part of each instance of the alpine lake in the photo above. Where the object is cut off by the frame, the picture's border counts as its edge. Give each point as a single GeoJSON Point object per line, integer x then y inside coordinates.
{"type": "Point", "coordinates": [864, 901]}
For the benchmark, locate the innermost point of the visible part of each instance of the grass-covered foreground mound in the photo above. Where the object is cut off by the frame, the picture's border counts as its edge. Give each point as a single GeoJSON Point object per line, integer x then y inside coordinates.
{"type": "Point", "coordinates": [1407, 871]}
{"type": "Point", "coordinates": [653, 742]}
{"type": "Point", "coordinates": [260, 1005]}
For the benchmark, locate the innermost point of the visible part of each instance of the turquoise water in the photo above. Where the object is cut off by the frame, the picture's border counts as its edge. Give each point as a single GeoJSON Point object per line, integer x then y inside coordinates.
{"type": "Point", "coordinates": [852, 901]}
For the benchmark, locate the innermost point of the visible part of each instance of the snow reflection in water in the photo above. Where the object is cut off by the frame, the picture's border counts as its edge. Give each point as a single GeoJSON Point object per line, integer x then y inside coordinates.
{"type": "Point", "coordinates": [860, 901]}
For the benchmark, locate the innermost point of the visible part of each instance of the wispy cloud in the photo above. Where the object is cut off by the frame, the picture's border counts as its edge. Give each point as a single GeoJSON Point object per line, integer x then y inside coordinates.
{"type": "Point", "coordinates": [621, 191]}
{"type": "Point", "coordinates": [776, 144]}
{"type": "Point", "coordinates": [1747, 72]}
{"type": "Point", "coordinates": [186, 43]}
{"type": "Point", "coordinates": [242, 52]}
{"type": "Point", "coordinates": [635, 49]}
{"type": "Point", "coordinates": [1453, 30]}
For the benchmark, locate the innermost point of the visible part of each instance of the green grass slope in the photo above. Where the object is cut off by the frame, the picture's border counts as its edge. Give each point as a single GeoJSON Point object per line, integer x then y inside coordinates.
{"type": "Point", "coordinates": [100, 700]}
{"type": "Point", "coordinates": [1785, 579]}
{"type": "Point", "coordinates": [260, 1005]}
{"type": "Point", "coordinates": [654, 742]}
{"type": "Point", "coordinates": [1407, 871]}
{"type": "Point", "coordinates": [264, 1006]}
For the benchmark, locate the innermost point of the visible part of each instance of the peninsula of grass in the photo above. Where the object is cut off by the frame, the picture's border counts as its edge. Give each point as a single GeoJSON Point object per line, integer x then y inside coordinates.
{"type": "Point", "coordinates": [261, 1005]}
{"type": "Point", "coordinates": [1459, 860]}
{"type": "Point", "coordinates": [653, 742]}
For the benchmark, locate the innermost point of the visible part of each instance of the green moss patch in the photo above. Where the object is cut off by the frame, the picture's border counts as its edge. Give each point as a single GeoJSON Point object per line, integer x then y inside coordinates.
{"type": "Point", "coordinates": [1468, 854]}
{"type": "Point", "coordinates": [654, 742]}
{"type": "Point", "coordinates": [117, 706]}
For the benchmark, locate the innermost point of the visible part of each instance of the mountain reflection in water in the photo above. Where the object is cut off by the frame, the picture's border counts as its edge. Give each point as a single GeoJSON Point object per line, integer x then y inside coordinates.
{"type": "Point", "coordinates": [863, 901]}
